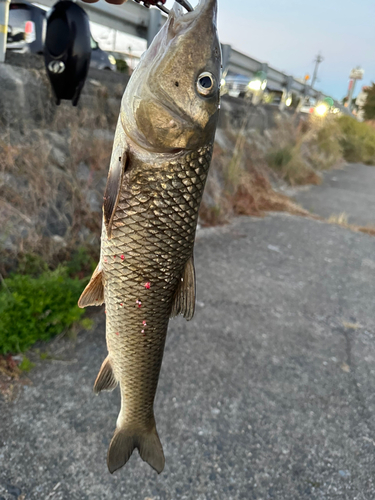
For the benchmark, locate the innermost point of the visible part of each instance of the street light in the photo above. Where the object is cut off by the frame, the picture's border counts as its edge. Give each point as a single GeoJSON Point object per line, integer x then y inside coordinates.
{"type": "Point", "coordinates": [321, 109]}
{"type": "Point", "coordinates": [257, 86]}
{"type": "Point", "coordinates": [325, 106]}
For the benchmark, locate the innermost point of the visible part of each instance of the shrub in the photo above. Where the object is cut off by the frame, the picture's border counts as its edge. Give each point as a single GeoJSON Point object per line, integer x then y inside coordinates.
{"type": "Point", "coordinates": [279, 158]}
{"type": "Point", "coordinates": [37, 308]}
{"type": "Point", "coordinates": [358, 140]}
{"type": "Point", "coordinates": [288, 162]}
{"type": "Point", "coordinates": [369, 107]}
{"type": "Point", "coordinates": [324, 149]}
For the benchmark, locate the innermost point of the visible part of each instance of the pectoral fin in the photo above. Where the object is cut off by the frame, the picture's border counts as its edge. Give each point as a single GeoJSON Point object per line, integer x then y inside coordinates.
{"type": "Point", "coordinates": [184, 299]}
{"type": "Point", "coordinates": [93, 294]}
{"type": "Point", "coordinates": [118, 166]}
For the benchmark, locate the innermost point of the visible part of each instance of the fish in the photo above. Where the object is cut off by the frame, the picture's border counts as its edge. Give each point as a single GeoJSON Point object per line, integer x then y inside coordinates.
{"type": "Point", "coordinates": [159, 164]}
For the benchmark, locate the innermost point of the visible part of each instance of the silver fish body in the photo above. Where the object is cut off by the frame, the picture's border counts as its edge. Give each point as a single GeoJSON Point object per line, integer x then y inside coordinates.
{"type": "Point", "coordinates": [159, 165]}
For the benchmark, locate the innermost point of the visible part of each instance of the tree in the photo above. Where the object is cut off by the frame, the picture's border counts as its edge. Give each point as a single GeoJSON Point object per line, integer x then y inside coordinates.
{"type": "Point", "coordinates": [369, 106]}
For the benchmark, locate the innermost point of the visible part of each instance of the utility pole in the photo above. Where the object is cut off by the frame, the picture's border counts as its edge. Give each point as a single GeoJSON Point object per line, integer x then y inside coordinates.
{"type": "Point", "coordinates": [319, 59]}
{"type": "Point", "coordinates": [4, 16]}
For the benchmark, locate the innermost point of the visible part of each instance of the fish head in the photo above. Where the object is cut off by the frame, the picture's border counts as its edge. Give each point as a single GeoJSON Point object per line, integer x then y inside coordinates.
{"type": "Point", "coordinates": [172, 99]}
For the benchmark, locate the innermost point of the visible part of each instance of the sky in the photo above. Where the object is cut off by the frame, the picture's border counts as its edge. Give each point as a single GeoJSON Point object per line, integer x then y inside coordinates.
{"type": "Point", "coordinates": [288, 34]}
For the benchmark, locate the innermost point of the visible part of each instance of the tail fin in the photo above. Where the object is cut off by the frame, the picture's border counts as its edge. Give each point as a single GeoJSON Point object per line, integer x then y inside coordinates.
{"type": "Point", "coordinates": [126, 439]}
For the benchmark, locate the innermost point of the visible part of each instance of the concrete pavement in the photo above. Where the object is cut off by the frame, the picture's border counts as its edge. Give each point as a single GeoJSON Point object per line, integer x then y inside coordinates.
{"type": "Point", "coordinates": [267, 394]}
{"type": "Point", "coordinates": [350, 190]}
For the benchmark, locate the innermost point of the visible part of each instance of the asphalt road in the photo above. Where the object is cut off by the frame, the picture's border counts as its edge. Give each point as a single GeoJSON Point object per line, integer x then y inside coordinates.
{"type": "Point", "coordinates": [267, 394]}
{"type": "Point", "coordinates": [350, 190]}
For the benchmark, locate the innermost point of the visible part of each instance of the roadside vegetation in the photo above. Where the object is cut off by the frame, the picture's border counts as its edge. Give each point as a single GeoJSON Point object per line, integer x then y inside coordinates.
{"type": "Point", "coordinates": [37, 308]}
{"type": "Point", "coordinates": [369, 107]}
{"type": "Point", "coordinates": [357, 141]}
{"type": "Point", "coordinates": [52, 179]}
{"type": "Point", "coordinates": [251, 171]}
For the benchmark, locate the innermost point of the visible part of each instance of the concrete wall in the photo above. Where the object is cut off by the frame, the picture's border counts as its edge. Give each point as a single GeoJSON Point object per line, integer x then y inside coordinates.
{"type": "Point", "coordinates": [26, 97]}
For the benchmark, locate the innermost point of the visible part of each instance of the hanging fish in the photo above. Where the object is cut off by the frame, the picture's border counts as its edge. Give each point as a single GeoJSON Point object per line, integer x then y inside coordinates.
{"type": "Point", "coordinates": [161, 155]}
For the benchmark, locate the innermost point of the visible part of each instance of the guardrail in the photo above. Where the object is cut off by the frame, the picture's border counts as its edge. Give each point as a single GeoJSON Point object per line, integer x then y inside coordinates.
{"type": "Point", "coordinates": [239, 63]}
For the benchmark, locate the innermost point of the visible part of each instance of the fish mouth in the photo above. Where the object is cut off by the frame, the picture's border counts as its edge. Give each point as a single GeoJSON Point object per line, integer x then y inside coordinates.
{"type": "Point", "coordinates": [183, 19]}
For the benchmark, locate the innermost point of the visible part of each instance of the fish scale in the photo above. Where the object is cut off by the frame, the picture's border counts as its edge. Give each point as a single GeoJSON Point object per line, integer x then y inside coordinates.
{"type": "Point", "coordinates": [155, 256]}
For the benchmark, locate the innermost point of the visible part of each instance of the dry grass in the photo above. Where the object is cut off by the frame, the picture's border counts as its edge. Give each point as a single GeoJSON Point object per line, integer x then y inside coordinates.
{"type": "Point", "coordinates": [51, 187]}
{"type": "Point", "coordinates": [53, 167]}
{"type": "Point", "coordinates": [342, 220]}
{"type": "Point", "coordinates": [246, 165]}
{"type": "Point", "coordinates": [351, 326]}
{"type": "Point", "coordinates": [300, 150]}
{"type": "Point", "coordinates": [11, 378]}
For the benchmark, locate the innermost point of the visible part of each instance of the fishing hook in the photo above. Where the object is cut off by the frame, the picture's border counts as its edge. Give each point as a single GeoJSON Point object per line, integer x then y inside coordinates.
{"type": "Point", "coordinates": [160, 4]}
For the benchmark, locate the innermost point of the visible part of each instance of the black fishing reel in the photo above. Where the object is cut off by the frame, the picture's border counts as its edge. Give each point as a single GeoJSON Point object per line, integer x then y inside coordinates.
{"type": "Point", "coordinates": [67, 50]}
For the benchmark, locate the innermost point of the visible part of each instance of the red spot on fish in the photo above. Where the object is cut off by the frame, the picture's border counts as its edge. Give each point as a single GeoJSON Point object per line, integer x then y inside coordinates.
{"type": "Point", "coordinates": [122, 257]}
{"type": "Point", "coordinates": [105, 312]}
{"type": "Point", "coordinates": [148, 285]}
{"type": "Point", "coordinates": [144, 322]}
{"type": "Point", "coordinates": [117, 333]}
{"type": "Point", "coordinates": [121, 304]}
{"type": "Point", "coordinates": [105, 260]}
{"type": "Point", "coordinates": [114, 256]}
{"type": "Point", "coordinates": [139, 304]}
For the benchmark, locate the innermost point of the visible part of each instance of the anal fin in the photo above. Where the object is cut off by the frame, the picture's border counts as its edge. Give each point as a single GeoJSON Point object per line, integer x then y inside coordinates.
{"type": "Point", "coordinates": [105, 381]}
{"type": "Point", "coordinates": [93, 294]}
{"type": "Point", "coordinates": [184, 299]}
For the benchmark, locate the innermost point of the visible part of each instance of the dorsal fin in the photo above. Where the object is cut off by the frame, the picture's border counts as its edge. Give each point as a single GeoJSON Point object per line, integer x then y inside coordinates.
{"type": "Point", "coordinates": [119, 164]}
{"type": "Point", "coordinates": [184, 299]}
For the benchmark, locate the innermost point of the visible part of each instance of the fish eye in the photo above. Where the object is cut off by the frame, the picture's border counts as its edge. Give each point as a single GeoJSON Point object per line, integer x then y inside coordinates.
{"type": "Point", "coordinates": [205, 84]}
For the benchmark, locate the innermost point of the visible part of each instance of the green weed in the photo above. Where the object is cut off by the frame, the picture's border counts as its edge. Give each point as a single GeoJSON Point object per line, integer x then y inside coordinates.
{"type": "Point", "coordinates": [26, 365]}
{"type": "Point", "coordinates": [37, 308]}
